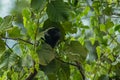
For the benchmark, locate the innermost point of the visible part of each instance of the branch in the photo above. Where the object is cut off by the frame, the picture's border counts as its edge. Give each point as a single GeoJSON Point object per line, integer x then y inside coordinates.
{"type": "Point", "coordinates": [9, 47]}
{"type": "Point", "coordinates": [78, 65]}
{"type": "Point", "coordinates": [81, 70]}
{"type": "Point", "coordinates": [32, 75]}
{"type": "Point", "coordinates": [18, 39]}
{"type": "Point", "coordinates": [113, 38]}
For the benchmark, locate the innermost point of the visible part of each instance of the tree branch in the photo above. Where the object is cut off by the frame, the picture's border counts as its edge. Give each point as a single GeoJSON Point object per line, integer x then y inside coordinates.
{"type": "Point", "coordinates": [18, 39]}
{"type": "Point", "coordinates": [32, 75]}
{"type": "Point", "coordinates": [78, 65]}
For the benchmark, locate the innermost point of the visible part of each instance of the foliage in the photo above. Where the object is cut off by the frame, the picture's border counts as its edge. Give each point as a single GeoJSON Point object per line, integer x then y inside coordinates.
{"type": "Point", "coordinates": [84, 52]}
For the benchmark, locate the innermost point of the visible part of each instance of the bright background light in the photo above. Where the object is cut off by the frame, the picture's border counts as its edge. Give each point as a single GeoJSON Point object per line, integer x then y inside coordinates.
{"type": "Point", "coordinates": [5, 7]}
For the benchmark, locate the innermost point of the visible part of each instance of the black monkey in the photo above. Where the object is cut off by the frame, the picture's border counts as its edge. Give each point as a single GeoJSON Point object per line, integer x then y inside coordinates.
{"type": "Point", "coordinates": [52, 36]}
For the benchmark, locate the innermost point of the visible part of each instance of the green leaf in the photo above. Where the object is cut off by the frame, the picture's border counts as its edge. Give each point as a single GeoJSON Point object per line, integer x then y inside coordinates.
{"type": "Point", "coordinates": [57, 11]}
{"type": "Point", "coordinates": [56, 68]}
{"type": "Point", "coordinates": [6, 23]}
{"type": "Point", "coordinates": [4, 60]}
{"type": "Point", "coordinates": [92, 40]}
{"type": "Point", "coordinates": [30, 27]}
{"type": "Point", "coordinates": [75, 51]}
{"type": "Point", "coordinates": [51, 69]}
{"type": "Point", "coordinates": [84, 27]}
{"type": "Point", "coordinates": [117, 28]}
{"type": "Point", "coordinates": [96, 5]}
{"type": "Point", "coordinates": [98, 49]}
{"type": "Point", "coordinates": [1, 20]}
{"type": "Point", "coordinates": [8, 59]}
{"type": "Point", "coordinates": [52, 77]}
{"type": "Point", "coordinates": [75, 74]}
{"type": "Point", "coordinates": [68, 27]}
{"type": "Point", "coordinates": [104, 77]}
{"type": "Point", "coordinates": [64, 72]}
{"type": "Point", "coordinates": [15, 76]}
{"type": "Point", "coordinates": [2, 46]}
{"type": "Point", "coordinates": [86, 10]}
{"type": "Point", "coordinates": [109, 24]}
{"type": "Point", "coordinates": [26, 13]}
{"type": "Point", "coordinates": [108, 11]}
{"type": "Point", "coordinates": [46, 54]}
{"type": "Point", "coordinates": [14, 32]}
{"type": "Point", "coordinates": [102, 27]}
{"type": "Point", "coordinates": [38, 4]}
{"type": "Point", "coordinates": [13, 58]}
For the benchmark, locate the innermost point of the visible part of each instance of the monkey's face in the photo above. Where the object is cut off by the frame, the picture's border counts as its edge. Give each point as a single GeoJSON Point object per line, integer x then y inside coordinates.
{"type": "Point", "coordinates": [52, 36]}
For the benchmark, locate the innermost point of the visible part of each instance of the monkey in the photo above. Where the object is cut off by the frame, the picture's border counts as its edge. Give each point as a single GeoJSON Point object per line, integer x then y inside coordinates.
{"type": "Point", "coordinates": [52, 36]}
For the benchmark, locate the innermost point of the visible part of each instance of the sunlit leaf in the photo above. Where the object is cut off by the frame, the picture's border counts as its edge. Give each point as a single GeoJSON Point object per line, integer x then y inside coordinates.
{"type": "Point", "coordinates": [102, 27]}
{"type": "Point", "coordinates": [68, 27]}
{"type": "Point", "coordinates": [92, 39]}
{"type": "Point", "coordinates": [6, 23]}
{"type": "Point", "coordinates": [26, 13]}
{"type": "Point", "coordinates": [15, 76]}
{"type": "Point", "coordinates": [14, 32]}
{"type": "Point", "coordinates": [98, 49]}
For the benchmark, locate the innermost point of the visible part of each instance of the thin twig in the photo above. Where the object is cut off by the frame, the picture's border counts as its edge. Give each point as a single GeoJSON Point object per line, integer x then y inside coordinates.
{"type": "Point", "coordinates": [113, 38]}
{"type": "Point", "coordinates": [19, 39]}
{"type": "Point", "coordinates": [9, 47]}
{"type": "Point", "coordinates": [78, 65]}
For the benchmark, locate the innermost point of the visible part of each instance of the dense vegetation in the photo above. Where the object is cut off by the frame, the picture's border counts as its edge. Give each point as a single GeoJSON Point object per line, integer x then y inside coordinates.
{"type": "Point", "coordinates": [85, 46]}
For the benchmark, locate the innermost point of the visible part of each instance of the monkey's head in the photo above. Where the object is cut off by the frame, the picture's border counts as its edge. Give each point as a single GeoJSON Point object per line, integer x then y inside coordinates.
{"type": "Point", "coordinates": [52, 36]}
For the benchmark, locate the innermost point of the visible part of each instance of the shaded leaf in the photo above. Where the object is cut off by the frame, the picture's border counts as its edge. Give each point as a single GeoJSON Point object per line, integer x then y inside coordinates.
{"type": "Point", "coordinates": [75, 51]}
{"type": "Point", "coordinates": [84, 27]}
{"type": "Point", "coordinates": [51, 69]}
{"type": "Point", "coordinates": [117, 28]}
{"type": "Point", "coordinates": [46, 54]}
{"type": "Point", "coordinates": [104, 77]}
{"type": "Point", "coordinates": [108, 11]}
{"type": "Point", "coordinates": [109, 24]}
{"type": "Point", "coordinates": [1, 20]}
{"type": "Point", "coordinates": [2, 46]}
{"type": "Point", "coordinates": [57, 11]}
{"type": "Point", "coordinates": [38, 4]}
{"type": "Point", "coordinates": [64, 72]}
